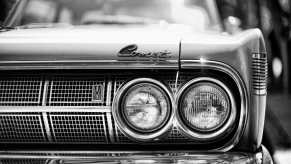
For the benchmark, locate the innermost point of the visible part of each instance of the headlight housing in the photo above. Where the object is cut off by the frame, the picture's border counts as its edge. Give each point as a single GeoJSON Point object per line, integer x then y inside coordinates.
{"type": "Point", "coordinates": [143, 109]}
{"type": "Point", "coordinates": [206, 108]}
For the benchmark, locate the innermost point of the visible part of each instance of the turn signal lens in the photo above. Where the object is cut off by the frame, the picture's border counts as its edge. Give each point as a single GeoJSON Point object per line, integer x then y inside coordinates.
{"type": "Point", "coordinates": [205, 106]}
{"type": "Point", "coordinates": [145, 107]}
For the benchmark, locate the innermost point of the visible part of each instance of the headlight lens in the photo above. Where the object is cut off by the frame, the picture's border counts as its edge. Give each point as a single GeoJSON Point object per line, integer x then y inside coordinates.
{"type": "Point", "coordinates": [204, 106]}
{"type": "Point", "coordinates": [145, 107]}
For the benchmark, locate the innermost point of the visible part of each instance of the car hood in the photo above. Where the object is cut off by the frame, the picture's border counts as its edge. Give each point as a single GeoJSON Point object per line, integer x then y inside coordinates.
{"type": "Point", "coordinates": [114, 46]}
{"type": "Point", "coordinates": [90, 44]}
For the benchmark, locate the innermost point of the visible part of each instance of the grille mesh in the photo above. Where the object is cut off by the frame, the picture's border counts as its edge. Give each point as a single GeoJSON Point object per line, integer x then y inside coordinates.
{"type": "Point", "coordinates": [23, 161]}
{"type": "Point", "coordinates": [77, 91]}
{"type": "Point", "coordinates": [176, 136]}
{"type": "Point", "coordinates": [121, 138]}
{"type": "Point", "coordinates": [69, 127]}
{"type": "Point", "coordinates": [20, 90]}
{"type": "Point", "coordinates": [21, 128]}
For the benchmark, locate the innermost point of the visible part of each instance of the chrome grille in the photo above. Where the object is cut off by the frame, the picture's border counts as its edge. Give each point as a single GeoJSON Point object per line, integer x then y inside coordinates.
{"type": "Point", "coordinates": [260, 70]}
{"type": "Point", "coordinates": [68, 127]}
{"type": "Point", "coordinates": [77, 91]}
{"type": "Point", "coordinates": [21, 128]}
{"type": "Point", "coordinates": [19, 90]}
{"type": "Point", "coordinates": [88, 122]}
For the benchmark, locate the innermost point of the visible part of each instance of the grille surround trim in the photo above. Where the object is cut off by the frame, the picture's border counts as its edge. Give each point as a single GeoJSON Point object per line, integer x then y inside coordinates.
{"type": "Point", "coordinates": [113, 87]}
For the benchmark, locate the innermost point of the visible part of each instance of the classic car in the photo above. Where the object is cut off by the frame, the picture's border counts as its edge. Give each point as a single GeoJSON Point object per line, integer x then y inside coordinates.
{"type": "Point", "coordinates": [129, 81]}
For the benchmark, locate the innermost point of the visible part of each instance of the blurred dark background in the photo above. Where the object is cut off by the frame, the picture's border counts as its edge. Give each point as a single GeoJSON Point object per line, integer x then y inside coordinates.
{"type": "Point", "coordinates": [273, 17]}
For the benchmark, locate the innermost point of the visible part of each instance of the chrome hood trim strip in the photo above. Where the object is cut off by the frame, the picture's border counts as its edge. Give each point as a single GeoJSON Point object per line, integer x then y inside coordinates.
{"type": "Point", "coordinates": [86, 64]}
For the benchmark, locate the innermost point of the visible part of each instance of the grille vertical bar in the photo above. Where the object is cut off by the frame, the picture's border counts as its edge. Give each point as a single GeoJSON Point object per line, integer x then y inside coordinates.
{"type": "Point", "coordinates": [260, 71]}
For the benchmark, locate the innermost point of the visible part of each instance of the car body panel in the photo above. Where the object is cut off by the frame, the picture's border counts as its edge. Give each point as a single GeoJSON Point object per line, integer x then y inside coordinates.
{"type": "Point", "coordinates": [66, 46]}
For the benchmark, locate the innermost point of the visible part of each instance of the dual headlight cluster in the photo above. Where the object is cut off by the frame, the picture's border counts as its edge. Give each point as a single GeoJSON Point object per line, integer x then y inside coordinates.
{"type": "Point", "coordinates": [204, 109]}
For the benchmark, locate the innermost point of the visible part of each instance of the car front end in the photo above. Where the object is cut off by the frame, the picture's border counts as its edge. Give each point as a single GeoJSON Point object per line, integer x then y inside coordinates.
{"type": "Point", "coordinates": [119, 93]}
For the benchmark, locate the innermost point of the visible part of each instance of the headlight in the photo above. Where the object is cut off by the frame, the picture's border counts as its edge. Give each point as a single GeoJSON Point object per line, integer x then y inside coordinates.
{"type": "Point", "coordinates": [143, 109]}
{"type": "Point", "coordinates": [206, 108]}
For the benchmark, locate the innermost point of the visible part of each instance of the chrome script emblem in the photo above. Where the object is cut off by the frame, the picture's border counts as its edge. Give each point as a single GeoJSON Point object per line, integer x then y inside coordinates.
{"type": "Point", "coordinates": [98, 93]}
{"type": "Point", "coordinates": [132, 51]}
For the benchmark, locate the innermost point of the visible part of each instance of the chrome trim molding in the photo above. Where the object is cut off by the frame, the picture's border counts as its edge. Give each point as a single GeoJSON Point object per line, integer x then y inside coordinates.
{"type": "Point", "coordinates": [122, 125]}
{"type": "Point", "coordinates": [260, 73]}
{"type": "Point", "coordinates": [262, 156]}
{"type": "Point", "coordinates": [216, 133]}
{"type": "Point", "coordinates": [244, 106]}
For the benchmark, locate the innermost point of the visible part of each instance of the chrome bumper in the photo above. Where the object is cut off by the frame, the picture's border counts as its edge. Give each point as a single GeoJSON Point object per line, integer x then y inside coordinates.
{"type": "Point", "coordinates": [96, 157]}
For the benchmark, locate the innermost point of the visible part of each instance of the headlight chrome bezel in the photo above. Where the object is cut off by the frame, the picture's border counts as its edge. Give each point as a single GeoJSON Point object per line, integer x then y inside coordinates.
{"type": "Point", "coordinates": [123, 125]}
{"type": "Point", "coordinates": [199, 135]}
